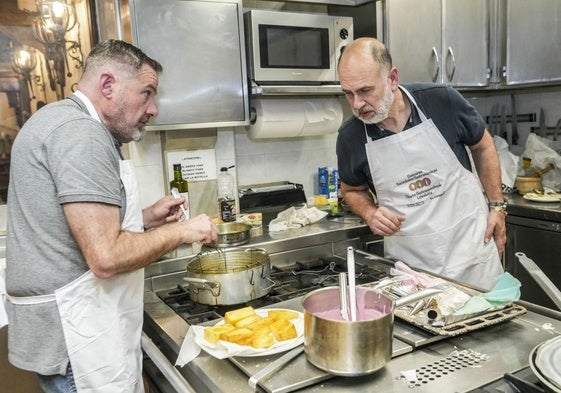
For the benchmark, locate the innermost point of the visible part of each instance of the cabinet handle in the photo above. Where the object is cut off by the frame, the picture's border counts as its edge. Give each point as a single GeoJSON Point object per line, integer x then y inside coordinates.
{"type": "Point", "coordinates": [450, 75]}
{"type": "Point", "coordinates": [437, 64]}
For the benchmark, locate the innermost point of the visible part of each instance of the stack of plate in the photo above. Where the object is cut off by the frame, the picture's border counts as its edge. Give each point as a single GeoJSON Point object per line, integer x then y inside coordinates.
{"type": "Point", "coordinates": [545, 362]}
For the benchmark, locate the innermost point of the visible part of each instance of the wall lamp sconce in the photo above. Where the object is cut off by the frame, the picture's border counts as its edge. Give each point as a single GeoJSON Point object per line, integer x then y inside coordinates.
{"type": "Point", "coordinates": [51, 23]}
{"type": "Point", "coordinates": [23, 61]}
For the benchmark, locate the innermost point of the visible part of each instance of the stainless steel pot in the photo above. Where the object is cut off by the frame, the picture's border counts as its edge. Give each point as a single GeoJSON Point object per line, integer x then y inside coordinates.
{"type": "Point", "coordinates": [232, 234]}
{"type": "Point", "coordinates": [229, 276]}
{"type": "Point", "coordinates": [351, 348]}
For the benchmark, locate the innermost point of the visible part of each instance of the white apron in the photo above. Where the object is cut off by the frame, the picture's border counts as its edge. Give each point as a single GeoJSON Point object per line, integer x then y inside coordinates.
{"type": "Point", "coordinates": [418, 175]}
{"type": "Point", "coordinates": [102, 319]}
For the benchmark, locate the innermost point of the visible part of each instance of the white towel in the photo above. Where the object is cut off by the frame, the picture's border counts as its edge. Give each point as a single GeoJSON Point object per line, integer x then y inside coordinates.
{"type": "Point", "coordinates": [296, 218]}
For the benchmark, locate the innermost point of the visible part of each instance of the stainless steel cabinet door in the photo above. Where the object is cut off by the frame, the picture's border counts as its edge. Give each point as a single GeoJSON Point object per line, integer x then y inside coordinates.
{"type": "Point", "coordinates": [533, 45]}
{"type": "Point", "coordinates": [413, 33]}
{"type": "Point", "coordinates": [443, 41]}
{"type": "Point", "coordinates": [200, 44]}
{"type": "Point", "coordinates": [465, 41]}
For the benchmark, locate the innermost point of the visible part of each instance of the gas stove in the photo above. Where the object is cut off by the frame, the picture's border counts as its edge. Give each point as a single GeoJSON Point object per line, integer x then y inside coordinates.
{"type": "Point", "coordinates": [311, 258]}
{"type": "Point", "coordinates": [290, 281]}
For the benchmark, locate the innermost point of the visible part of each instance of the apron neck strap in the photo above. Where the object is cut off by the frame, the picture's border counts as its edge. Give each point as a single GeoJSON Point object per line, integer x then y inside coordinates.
{"type": "Point", "coordinates": [413, 102]}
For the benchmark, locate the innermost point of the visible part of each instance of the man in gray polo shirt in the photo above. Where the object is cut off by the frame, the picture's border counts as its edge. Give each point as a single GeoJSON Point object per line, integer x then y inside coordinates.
{"type": "Point", "coordinates": [77, 240]}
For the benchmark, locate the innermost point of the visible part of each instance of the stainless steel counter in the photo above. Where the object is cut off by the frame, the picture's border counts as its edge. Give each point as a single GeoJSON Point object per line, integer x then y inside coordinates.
{"type": "Point", "coordinates": [520, 207]}
{"type": "Point", "coordinates": [449, 364]}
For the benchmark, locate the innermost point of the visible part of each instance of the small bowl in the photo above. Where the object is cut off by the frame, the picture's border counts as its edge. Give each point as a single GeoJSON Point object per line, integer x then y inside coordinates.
{"type": "Point", "coordinates": [526, 184]}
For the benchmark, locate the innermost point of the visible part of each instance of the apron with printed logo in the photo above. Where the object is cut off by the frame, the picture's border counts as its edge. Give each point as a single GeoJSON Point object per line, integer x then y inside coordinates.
{"type": "Point", "coordinates": [102, 319]}
{"type": "Point", "coordinates": [417, 174]}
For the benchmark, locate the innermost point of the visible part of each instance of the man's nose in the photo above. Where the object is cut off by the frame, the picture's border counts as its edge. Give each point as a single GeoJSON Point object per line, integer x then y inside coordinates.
{"type": "Point", "coordinates": [152, 109]}
{"type": "Point", "coordinates": [357, 102]}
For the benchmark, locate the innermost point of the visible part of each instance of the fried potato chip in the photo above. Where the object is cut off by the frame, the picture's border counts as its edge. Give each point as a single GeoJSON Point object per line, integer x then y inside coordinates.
{"type": "Point", "coordinates": [283, 329]}
{"type": "Point", "coordinates": [236, 315]}
{"type": "Point", "coordinates": [212, 334]}
{"type": "Point", "coordinates": [282, 314]}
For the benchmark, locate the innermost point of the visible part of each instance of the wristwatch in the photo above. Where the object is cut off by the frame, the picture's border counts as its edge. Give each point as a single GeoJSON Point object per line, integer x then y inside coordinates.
{"type": "Point", "coordinates": [498, 206]}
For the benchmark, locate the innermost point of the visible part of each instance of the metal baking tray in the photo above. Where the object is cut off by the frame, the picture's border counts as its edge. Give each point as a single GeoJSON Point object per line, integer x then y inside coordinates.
{"type": "Point", "coordinates": [454, 325]}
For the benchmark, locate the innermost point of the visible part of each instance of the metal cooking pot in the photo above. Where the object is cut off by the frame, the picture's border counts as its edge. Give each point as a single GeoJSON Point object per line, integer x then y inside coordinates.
{"type": "Point", "coordinates": [229, 277]}
{"type": "Point", "coordinates": [351, 348]}
{"type": "Point", "coordinates": [232, 234]}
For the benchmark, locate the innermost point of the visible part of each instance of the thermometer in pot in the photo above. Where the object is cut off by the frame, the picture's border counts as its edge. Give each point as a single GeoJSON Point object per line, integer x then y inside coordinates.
{"type": "Point", "coordinates": [175, 193]}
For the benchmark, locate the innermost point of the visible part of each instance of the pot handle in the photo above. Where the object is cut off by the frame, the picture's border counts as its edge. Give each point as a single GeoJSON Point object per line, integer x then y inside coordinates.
{"type": "Point", "coordinates": [415, 296]}
{"type": "Point", "coordinates": [250, 249]}
{"type": "Point", "coordinates": [213, 286]}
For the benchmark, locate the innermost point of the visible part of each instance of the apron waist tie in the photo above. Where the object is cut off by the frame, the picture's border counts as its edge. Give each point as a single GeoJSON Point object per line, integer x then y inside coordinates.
{"type": "Point", "coordinates": [37, 299]}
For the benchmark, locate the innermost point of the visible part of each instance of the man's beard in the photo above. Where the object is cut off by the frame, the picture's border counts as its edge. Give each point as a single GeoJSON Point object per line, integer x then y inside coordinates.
{"type": "Point", "coordinates": [384, 110]}
{"type": "Point", "coordinates": [122, 131]}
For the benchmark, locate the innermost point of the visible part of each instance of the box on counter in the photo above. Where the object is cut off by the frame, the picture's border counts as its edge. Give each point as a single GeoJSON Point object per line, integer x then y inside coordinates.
{"type": "Point", "coordinates": [255, 220]}
{"type": "Point", "coordinates": [328, 179]}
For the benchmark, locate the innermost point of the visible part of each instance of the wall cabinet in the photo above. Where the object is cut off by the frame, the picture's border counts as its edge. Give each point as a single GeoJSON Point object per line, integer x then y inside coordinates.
{"type": "Point", "coordinates": [473, 44]}
{"type": "Point", "coordinates": [533, 42]}
{"type": "Point", "coordinates": [200, 44]}
{"type": "Point", "coordinates": [442, 41]}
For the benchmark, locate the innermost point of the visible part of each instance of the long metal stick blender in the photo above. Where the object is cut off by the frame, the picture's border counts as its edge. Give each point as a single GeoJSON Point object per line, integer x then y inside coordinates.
{"type": "Point", "coordinates": [352, 285]}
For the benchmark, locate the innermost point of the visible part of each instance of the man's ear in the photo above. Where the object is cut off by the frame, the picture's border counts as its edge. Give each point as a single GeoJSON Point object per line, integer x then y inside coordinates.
{"type": "Point", "coordinates": [394, 76]}
{"type": "Point", "coordinates": [106, 81]}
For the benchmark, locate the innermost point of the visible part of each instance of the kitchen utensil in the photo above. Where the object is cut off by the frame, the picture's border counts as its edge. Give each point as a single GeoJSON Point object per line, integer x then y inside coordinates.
{"type": "Point", "coordinates": [175, 193]}
{"type": "Point", "coordinates": [543, 128]}
{"type": "Point", "coordinates": [543, 367]}
{"type": "Point", "coordinates": [232, 234]}
{"type": "Point", "coordinates": [350, 348]}
{"type": "Point", "coordinates": [542, 171]}
{"type": "Point", "coordinates": [531, 182]}
{"type": "Point", "coordinates": [514, 120]}
{"type": "Point", "coordinates": [539, 276]}
{"type": "Point", "coordinates": [274, 366]}
{"type": "Point", "coordinates": [352, 281]}
{"type": "Point", "coordinates": [492, 119]}
{"type": "Point", "coordinates": [229, 277]}
{"type": "Point", "coordinates": [526, 184]}
{"type": "Point", "coordinates": [343, 298]}
{"type": "Point", "coordinates": [503, 131]}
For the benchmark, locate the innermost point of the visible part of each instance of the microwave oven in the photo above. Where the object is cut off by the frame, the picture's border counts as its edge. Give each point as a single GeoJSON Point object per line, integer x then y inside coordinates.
{"type": "Point", "coordinates": [295, 48]}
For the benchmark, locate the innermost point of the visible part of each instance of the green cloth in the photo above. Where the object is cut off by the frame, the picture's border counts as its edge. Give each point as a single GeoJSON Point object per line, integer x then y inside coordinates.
{"type": "Point", "coordinates": [506, 290]}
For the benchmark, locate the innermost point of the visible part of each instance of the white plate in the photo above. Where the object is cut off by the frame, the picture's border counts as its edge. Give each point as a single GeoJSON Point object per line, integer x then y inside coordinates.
{"type": "Point", "coordinates": [548, 360]}
{"type": "Point", "coordinates": [222, 349]}
{"type": "Point", "coordinates": [553, 197]}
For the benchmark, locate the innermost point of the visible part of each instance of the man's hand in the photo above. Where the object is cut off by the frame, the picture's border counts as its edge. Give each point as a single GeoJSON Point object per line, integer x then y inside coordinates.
{"type": "Point", "coordinates": [163, 211]}
{"type": "Point", "coordinates": [199, 229]}
{"type": "Point", "coordinates": [496, 228]}
{"type": "Point", "coordinates": [383, 221]}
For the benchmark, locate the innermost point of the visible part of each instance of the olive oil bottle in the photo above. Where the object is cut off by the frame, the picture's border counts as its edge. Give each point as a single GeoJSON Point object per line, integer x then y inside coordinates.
{"type": "Point", "coordinates": [182, 186]}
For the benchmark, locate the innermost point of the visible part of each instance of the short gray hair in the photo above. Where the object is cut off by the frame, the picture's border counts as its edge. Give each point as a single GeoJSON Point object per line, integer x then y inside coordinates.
{"type": "Point", "coordinates": [120, 52]}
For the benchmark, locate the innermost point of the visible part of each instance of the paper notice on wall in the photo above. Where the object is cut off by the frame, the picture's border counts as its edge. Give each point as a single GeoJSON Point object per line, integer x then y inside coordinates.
{"type": "Point", "coordinates": [196, 165]}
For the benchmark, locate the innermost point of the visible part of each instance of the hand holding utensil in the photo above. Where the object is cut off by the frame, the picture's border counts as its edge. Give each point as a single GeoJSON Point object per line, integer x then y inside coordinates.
{"type": "Point", "coordinates": [175, 193]}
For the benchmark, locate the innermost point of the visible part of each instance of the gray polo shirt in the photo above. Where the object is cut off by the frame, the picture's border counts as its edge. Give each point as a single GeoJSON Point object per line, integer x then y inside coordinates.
{"type": "Point", "coordinates": [61, 155]}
